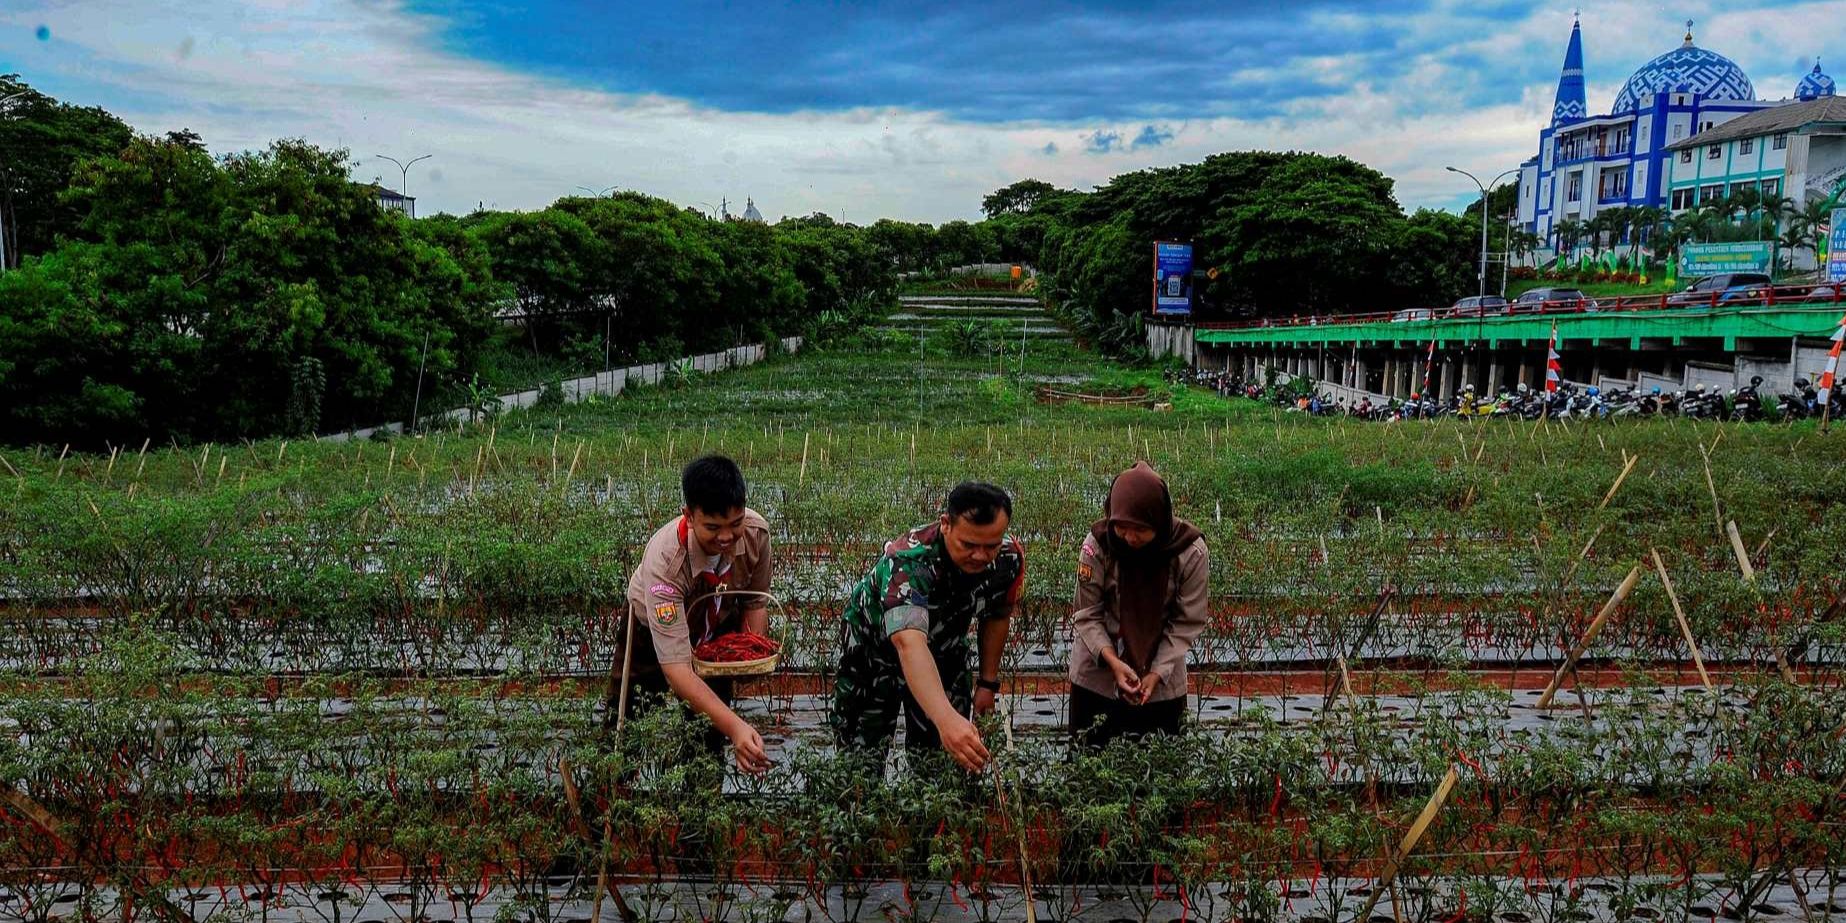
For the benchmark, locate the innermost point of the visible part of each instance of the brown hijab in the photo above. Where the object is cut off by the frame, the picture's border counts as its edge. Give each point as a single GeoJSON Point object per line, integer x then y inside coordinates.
{"type": "Point", "coordinates": [1139, 496]}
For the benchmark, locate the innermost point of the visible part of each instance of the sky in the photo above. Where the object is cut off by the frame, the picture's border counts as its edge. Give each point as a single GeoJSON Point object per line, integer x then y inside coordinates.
{"type": "Point", "coordinates": [865, 110]}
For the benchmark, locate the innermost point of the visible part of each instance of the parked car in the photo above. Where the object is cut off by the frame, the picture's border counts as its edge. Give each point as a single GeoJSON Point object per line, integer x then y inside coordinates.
{"type": "Point", "coordinates": [1410, 314]}
{"type": "Point", "coordinates": [1727, 286]}
{"type": "Point", "coordinates": [1479, 306]}
{"type": "Point", "coordinates": [1553, 299]}
{"type": "Point", "coordinates": [1833, 292]}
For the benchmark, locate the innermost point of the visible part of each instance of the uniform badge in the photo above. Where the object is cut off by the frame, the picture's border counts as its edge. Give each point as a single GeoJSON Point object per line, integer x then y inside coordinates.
{"type": "Point", "coordinates": [1083, 570]}
{"type": "Point", "coordinates": [666, 615]}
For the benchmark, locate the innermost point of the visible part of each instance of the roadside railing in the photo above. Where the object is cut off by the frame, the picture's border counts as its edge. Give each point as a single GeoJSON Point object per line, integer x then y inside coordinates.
{"type": "Point", "coordinates": [1737, 296]}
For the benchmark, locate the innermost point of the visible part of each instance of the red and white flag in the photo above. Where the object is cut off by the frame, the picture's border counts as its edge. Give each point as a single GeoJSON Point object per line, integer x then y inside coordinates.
{"type": "Point", "coordinates": [1552, 368]}
{"type": "Point", "coordinates": [1427, 362]}
{"type": "Point", "coordinates": [1833, 362]}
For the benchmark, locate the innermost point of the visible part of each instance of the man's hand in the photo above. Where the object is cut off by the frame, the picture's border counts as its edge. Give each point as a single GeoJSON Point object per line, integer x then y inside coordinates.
{"type": "Point", "coordinates": [747, 744]}
{"type": "Point", "coordinates": [963, 742]}
{"type": "Point", "coordinates": [1149, 682]}
{"type": "Point", "coordinates": [983, 701]}
{"type": "Point", "coordinates": [1125, 679]}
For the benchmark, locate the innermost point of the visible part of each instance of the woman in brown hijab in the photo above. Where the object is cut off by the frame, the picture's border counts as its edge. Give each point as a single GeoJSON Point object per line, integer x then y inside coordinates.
{"type": "Point", "coordinates": [1141, 592]}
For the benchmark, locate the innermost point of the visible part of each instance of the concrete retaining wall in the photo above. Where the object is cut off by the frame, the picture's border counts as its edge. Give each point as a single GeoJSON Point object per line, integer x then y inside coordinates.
{"type": "Point", "coordinates": [607, 383]}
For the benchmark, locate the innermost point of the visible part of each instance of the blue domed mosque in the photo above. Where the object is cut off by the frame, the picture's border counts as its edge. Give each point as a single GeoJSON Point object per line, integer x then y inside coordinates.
{"type": "Point", "coordinates": [1685, 126]}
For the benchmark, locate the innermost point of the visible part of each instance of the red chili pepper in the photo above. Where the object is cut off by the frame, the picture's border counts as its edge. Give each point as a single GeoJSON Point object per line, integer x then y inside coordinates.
{"type": "Point", "coordinates": [735, 647]}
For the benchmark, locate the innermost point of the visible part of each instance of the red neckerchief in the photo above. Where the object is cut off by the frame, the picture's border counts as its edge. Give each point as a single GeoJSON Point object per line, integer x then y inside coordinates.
{"type": "Point", "coordinates": [713, 581]}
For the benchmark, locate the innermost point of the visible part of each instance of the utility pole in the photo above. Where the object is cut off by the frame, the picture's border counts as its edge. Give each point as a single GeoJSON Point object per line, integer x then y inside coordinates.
{"type": "Point", "coordinates": [1485, 189]}
{"type": "Point", "coordinates": [403, 182]}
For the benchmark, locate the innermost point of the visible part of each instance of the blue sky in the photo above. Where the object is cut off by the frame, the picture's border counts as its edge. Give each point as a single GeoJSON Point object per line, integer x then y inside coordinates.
{"type": "Point", "coordinates": [911, 110]}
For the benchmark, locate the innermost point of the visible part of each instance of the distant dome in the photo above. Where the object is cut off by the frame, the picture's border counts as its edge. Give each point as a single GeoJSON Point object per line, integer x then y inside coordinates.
{"type": "Point", "coordinates": [1814, 85]}
{"type": "Point", "coordinates": [1686, 69]}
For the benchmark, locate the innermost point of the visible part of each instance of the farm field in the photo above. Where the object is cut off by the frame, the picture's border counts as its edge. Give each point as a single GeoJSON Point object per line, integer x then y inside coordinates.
{"type": "Point", "coordinates": [363, 682]}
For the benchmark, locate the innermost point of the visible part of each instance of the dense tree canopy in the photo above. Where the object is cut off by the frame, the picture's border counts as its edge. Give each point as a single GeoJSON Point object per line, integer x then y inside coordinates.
{"type": "Point", "coordinates": [164, 293]}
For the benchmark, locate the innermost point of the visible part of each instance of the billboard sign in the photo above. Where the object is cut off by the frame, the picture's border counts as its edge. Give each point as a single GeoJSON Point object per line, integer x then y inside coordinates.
{"type": "Point", "coordinates": [1707, 259]}
{"type": "Point", "coordinates": [1172, 278]}
{"type": "Point", "coordinates": [1836, 247]}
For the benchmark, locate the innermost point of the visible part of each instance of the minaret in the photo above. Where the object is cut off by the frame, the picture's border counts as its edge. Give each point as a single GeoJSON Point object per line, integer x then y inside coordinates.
{"type": "Point", "coordinates": [1571, 105]}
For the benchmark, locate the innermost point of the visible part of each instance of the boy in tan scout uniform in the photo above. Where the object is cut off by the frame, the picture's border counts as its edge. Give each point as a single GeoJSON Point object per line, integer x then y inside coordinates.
{"type": "Point", "coordinates": [715, 546]}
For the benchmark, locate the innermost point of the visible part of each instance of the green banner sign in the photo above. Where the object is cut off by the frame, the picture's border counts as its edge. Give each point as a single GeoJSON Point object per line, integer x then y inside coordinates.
{"type": "Point", "coordinates": [1707, 259]}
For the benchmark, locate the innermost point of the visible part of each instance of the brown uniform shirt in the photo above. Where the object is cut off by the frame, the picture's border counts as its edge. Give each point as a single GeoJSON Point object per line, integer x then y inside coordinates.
{"type": "Point", "coordinates": [670, 597]}
{"type": "Point", "coordinates": [1098, 624]}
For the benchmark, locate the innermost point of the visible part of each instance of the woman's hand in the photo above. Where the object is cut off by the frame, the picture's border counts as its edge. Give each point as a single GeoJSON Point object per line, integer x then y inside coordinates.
{"type": "Point", "coordinates": [1150, 681]}
{"type": "Point", "coordinates": [1126, 680]}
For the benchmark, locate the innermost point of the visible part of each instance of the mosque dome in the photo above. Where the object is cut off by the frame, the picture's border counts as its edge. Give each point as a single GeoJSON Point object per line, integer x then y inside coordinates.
{"type": "Point", "coordinates": [1686, 69]}
{"type": "Point", "coordinates": [1815, 85]}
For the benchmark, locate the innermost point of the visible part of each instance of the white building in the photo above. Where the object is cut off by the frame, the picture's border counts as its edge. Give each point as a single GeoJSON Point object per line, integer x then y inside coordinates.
{"type": "Point", "coordinates": [1587, 163]}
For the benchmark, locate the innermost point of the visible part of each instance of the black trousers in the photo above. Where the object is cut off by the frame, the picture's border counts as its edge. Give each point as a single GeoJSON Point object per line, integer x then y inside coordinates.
{"type": "Point", "coordinates": [1095, 720]}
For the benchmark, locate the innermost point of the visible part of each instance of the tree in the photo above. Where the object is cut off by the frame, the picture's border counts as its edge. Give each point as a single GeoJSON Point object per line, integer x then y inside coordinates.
{"type": "Point", "coordinates": [44, 141]}
{"type": "Point", "coordinates": [1018, 198]}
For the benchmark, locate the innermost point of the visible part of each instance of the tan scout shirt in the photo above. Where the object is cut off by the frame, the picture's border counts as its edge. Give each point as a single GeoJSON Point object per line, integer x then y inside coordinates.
{"type": "Point", "coordinates": [1098, 623]}
{"type": "Point", "coordinates": [670, 597]}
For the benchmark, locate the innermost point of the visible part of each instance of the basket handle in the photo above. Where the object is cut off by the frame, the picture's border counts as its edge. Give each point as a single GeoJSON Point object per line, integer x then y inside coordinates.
{"type": "Point", "coordinates": [781, 609]}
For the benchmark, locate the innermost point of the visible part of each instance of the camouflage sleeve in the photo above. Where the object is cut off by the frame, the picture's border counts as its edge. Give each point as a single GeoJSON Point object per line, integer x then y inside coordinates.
{"type": "Point", "coordinates": [905, 601]}
{"type": "Point", "coordinates": [1017, 587]}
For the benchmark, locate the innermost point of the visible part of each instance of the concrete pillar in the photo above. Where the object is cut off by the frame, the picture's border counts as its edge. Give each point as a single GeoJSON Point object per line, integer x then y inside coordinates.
{"type": "Point", "coordinates": [1390, 377]}
{"type": "Point", "coordinates": [1448, 381]}
{"type": "Point", "coordinates": [1358, 375]}
{"type": "Point", "coordinates": [1467, 371]}
{"type": "Point", "coordinates": [1525, 373]}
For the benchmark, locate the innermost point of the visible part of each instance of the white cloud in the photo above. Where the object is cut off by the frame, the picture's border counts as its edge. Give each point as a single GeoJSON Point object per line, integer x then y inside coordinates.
{"type": "Point", "coordinates": [375, 78]}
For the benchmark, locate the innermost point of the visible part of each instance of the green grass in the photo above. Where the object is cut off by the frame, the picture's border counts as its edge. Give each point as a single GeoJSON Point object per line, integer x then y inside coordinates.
{"type": "Point", "coordinates": [1654, 286]}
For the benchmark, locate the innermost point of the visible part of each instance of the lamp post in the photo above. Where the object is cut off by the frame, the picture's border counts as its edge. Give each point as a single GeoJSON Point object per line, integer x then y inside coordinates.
{"type": "Point", "coordinates": [3, 101]}
{"type": "Point", "coordinates": [403, 180]}
{"type": "Point", "coordinates": [1485, 189]}
{"type": "Point", "coordinates": [594, 193]}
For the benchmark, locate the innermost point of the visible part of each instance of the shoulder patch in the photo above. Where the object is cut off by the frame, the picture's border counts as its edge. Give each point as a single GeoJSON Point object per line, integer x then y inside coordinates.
{"type": "Point", "coordinates": [1084, 570]}
{"type": "Point", "coordinates": [666, 615]}
{"type": "Point", "coordinates": [664, 590]}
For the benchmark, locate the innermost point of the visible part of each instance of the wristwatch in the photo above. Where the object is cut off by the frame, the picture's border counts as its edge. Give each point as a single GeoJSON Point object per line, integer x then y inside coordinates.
{"type": "Point", "coordinates": [991, 685]}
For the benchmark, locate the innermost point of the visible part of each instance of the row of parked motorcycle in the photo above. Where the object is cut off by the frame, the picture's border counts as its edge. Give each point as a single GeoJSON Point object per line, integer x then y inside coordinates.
{"type": "Point", "coordinates": [1569, 402]}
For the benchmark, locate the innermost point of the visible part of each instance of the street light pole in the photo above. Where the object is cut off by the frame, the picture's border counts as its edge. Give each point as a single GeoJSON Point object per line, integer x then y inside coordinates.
{"type": "Point", "coordinates": [3, 101]}
{"type": "Point", "coordinates": [403, 180]}
{"type": "Point", "coordinates": [599, 193]}
{"type": "Point", "coordinates": [1484, 191]}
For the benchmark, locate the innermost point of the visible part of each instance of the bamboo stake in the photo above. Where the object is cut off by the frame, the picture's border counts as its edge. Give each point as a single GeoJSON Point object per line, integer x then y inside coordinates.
{"type": "Point", "coordinates": [621, 720]}
{"type": "Point", "coordinates": [9, 467]}
{"type": "Point", "coordinates": [1749, 577]}
{"type": "Point", "coordinates": [1411, 837]}
{"type": "Point", "coordinates": [1019, 830]}
{"type": "Point", "coordinates": [572, 473]}
{"type": "Point", "coordinates": [142, 457]}
{"type": "Point", "coordinates": [1626, 469]}
{"type": "Point", "coordinates": [1583, 555]}
{"type": "Point", "coordinates": [1716, 515]}
{"type": "Point", "coordinates": [1589, 635]}
{"type": "Point", "coordinates": [1685, 627]}
{"type": "Point", "coordinates": [802, 479]}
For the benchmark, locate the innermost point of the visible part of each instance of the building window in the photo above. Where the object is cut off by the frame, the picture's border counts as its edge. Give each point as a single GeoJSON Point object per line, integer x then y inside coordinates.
{"type": "Point", "coordinates": [1772, 187]}
{"type": "Point", "coordinates": [1714, 152]}
{"type": "Point", "coordinates": [1746, 147]}
{"type": "Point", "coordinates": [1682, 198]}
{"type": "Point", "coordinates": [1679, 131]}
{"type": "Point", "coordinates": [1711, 193]}
{"type": "Point", "coordinates": [1781, 142]}
{"type": "Point", "coordinates": [1685, 156]}
{"type": "Point", "coordinates": [1576, 188]}
{"type": "Point", "coordinates": [1613, 184]}
{"type": "Point", "coordinates": [1705, 127]}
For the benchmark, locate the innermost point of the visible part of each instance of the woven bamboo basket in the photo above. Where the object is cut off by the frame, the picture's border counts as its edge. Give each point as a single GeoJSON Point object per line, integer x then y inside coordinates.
{"type": "Point", "coordinates": [762, 666]}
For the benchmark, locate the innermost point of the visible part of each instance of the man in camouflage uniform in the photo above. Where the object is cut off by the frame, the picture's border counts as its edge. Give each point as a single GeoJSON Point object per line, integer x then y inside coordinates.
{"type": "Point", "coordinates": [904, 634]}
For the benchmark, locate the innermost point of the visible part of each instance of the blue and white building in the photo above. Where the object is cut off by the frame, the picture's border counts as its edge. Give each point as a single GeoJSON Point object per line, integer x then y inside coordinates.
{"type": "Point", "coordinates": [1588, 162]}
